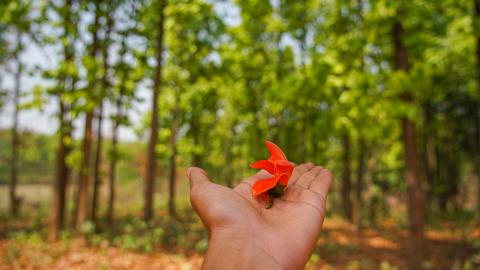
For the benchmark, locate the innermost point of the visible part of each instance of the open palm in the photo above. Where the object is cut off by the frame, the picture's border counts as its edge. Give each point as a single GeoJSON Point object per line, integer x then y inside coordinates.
{"type": "Point", "coordinates": [286, 233]}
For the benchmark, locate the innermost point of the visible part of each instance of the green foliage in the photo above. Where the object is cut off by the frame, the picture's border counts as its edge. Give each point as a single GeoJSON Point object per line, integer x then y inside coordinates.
{"type": "Point", "coordinates": [136, 234]}
{"type": "Point", "coordinates": [37, 153]}
{"type": "Point", "coordinates": [304, 74]}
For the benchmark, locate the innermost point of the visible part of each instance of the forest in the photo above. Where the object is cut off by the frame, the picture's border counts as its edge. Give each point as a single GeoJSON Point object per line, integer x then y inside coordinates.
{"type": "Point", "coordinates": [105, 104]}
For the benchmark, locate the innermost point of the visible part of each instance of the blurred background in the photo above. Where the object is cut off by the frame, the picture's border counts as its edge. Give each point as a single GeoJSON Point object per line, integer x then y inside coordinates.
{"type": "Point", "coordinates": [104, 104]}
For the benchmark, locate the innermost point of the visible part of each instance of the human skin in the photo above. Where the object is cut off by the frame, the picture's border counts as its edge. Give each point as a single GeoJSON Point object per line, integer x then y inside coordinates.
{"type": "Point", "coordinates": [245, 235]}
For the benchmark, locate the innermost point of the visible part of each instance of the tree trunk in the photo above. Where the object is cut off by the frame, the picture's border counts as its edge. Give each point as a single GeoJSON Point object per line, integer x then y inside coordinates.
{"type": "Point", "coordinates": [84, 179]}
{"type": "Point", "coordinates": [84, 174]}
{"type": "Point", "coordinates": [113, 152]}
{"type": "Point", "coordinates": [477, 159]}
{"type": "Point", "coordinates": [62, 172]}
{"type": "Point", "coordinates": [151, 157]}
{"type": "Point", "coordinates": [65, 129]}
{"type": "Point", "coordinates": [429, 156]}
{"type": "Point", "coordinates": [357, 214]}
{"type": "Point", "coordinates": [97, 165]}
{"type": "Point", "coordinates": [372, 174]}
{"type": "Point", "coordinates": [113, 166]}
{"type": "Point", "coordinates": [173, 160]}
{"type": "Point", "coordinates": [14, 200]}
{"type": "Point", "coordinates": [346, 180]}
{"type": "Point", "coordinates": [97, 180]}
{"type": "Point", "coordinates": [196, 157]}
{"type": "Point", "coordinates": [415, 196]}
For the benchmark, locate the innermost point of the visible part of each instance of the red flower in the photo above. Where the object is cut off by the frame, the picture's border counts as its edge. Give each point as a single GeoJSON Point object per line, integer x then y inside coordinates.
{"type": "Point", "coordinates": [278, 166]}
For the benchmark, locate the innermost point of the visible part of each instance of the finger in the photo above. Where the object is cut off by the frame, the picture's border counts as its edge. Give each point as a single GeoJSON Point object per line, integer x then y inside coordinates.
{"type": "Point", "coordinates": [199, 184]}
{"type": "Point", "coordinates": [307, 178]}
{"type": "Point", "coordinates": [322, 182]}
{"type": "Point", "coordinates": [298, 171]}
{"type": "Point", "coordinates": [197, 178]}
{"type": "Point", "coordinates": [297, 194]}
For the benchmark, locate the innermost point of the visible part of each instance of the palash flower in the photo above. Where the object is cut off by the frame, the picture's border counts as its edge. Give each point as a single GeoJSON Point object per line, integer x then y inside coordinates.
{"type": "Point", "coordinates": [278, 166]}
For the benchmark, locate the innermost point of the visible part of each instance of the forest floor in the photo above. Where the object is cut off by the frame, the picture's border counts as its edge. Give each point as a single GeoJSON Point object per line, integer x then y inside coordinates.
{"type": "Point", "coordinates": [340, 246]}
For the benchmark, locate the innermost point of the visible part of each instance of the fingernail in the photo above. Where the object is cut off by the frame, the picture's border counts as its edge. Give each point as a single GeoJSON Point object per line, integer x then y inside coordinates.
{"type": "Point", "coordinates": [189, 171]}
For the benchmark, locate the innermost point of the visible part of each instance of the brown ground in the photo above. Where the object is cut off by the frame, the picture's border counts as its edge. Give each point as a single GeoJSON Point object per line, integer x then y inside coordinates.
{"type": "Point", "coordinates": [78, 256]}
{"type": "Point", "coordinates": [340, 247]}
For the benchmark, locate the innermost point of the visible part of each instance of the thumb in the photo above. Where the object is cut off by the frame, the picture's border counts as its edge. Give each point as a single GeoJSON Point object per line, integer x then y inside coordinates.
{"type": "Point", "coordinates": [197, 178]}
{"type": "Point", "coordinates": [199, 192]}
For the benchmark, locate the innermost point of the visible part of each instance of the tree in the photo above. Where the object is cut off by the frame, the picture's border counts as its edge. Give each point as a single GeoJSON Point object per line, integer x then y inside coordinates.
{"type": "Point", "coordinates": [359, 185]}
{"type": "Point", "coordinates": [415, 196]}
{"type": "Point", "coordinates": [112, 175]}
{"type": "Point", "coordinates": [123, 92]}
{"type": "Point", "coordinates": [18, 24]}
{"type": "Point", "coordinates": [107, 10]}
{"type": "Point", "coordinates": [173, 156]}
{"type": "Point", "coordinates": [14, 200]}
{"type": "Point", "coordinates": [151, 156]}
{"type": "Point", "coordinates": [91, 94]}
{"type": "Point", "coordinates": [124, 77]}
{"type": "Point", "coordinates": [346, 178]}
{"type": "Point", "coordinates": [476, 19]}
{"type": "Point", "coordinates": [190, 95]}
{"type": "Point", "coordinates": [66, 78]}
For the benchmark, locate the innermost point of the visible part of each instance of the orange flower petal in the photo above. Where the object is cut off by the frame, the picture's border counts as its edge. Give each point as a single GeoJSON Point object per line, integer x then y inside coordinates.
{"type": "Point", "coordinates": [281, 169]}
{"type": "Point", "coordinates": [263, 185]}
{"type": "Point", "coordinates": [275, 151]}
{"type": "Point", "coordinates": [283, 179]}
{"type": "Point", "coordinates": [278, 165]}
{"type": "Point", "coordinates": [282, 163]}
{"type": "Point", "coordinates": [265, 165]}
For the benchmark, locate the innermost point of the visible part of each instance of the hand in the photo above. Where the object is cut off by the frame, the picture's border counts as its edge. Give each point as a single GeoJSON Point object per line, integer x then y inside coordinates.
{"type": "Point", "coordinates": [245, 235]}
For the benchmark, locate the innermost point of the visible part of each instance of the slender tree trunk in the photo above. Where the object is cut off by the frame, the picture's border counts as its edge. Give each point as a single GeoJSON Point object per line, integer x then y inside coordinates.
{"type": "Point", "coordinates": [357, 215]}
{"type": "Point", "coordinates": [477, 160]}
{"type": "Point", "coordinates": [84, 174]}
{"type": "Point", "coordinates": [431, 164]}
{"type": "Point", "coordinates": [113, 166]}
{"type": "Point", "coordinates": [173, 160]}
{"type": "Point", "coordinates": [65, 129]}
{"type": "Point", "coordinates": [151, 157]}
{"type": "Point", "coordinates": [358, 201]}
{"type": "Point", "coordinates": [97, 180]}
{"type": "Point", "coordinates": [196, 157]}
{"type": "Point", "coordinates": [97, 165]}
{"type": "Point", "coordinates": [113, 152]}
{"type": "Point", "coordinates": [415, 196]}
{"type": "Point", "coordinates": [14, 200]}
{"type": "Point", "coordinates": [372, 172]}
{"type": "Point", "coordinates": [346, 181]}
{"type": "Point", "coordinates": [58, 208]}
{"type": "Point", "coordinates": [84, 179]}
{"type": "Point", "coordinates": [429, 155]}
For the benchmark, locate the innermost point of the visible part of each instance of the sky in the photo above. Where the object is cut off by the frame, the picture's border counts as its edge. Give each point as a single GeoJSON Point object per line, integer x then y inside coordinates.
{"type": "Point", "coordinates": [43, 121]}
